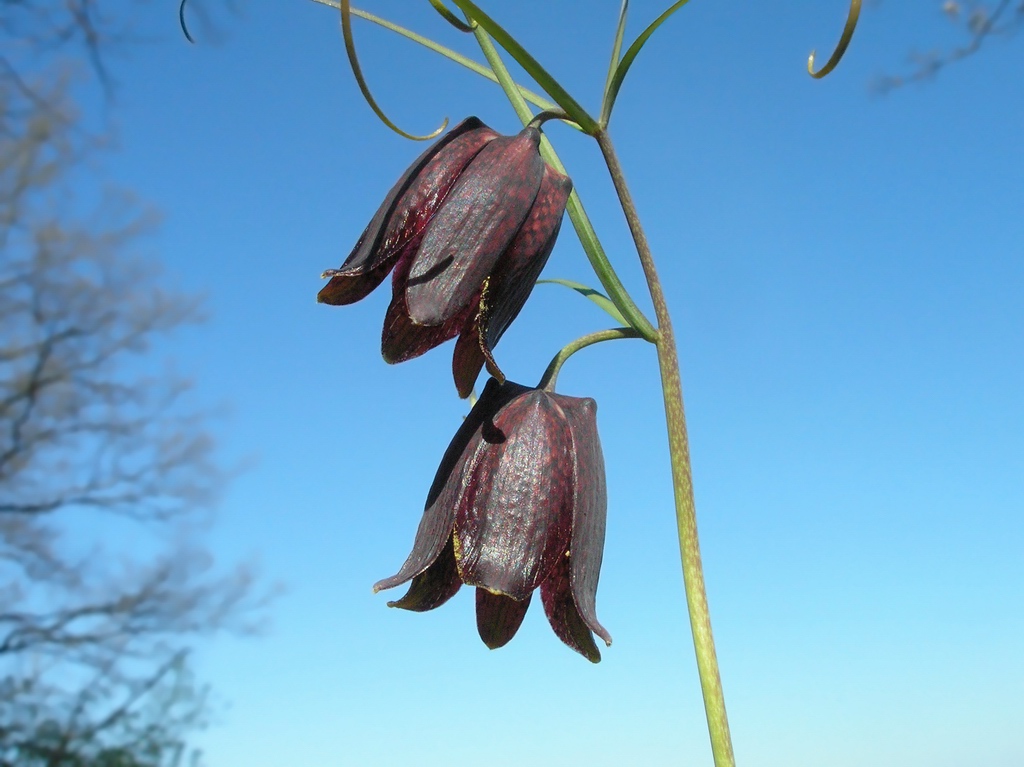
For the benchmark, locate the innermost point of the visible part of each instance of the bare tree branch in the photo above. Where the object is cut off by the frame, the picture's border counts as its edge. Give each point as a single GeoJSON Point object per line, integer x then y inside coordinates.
{"type": "Point", "coordinates": [106, 473]}
{"type": "Point", "coordinates": [978, 21]}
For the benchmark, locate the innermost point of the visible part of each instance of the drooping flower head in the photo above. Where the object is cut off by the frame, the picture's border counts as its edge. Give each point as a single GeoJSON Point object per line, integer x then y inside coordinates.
{"type": "Point", "coordinates": [518, 503]}
{"type": "Point", "coordinates": [466, 231]}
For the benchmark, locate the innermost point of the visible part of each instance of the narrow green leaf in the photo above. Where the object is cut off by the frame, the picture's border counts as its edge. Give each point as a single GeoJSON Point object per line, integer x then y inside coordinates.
{"type": "Point", "coordinates": [603, 268]}
{"type": "Point", "coordinates": [627, 60]}
{"type": "Point", "coordinates": [533, 68]}
{"type": "Point", "coordinates": [620, 30]}
{"type": "Point", "coordinates": [596, 296]}
{"type": "Point", "coordinates": [448, 53]}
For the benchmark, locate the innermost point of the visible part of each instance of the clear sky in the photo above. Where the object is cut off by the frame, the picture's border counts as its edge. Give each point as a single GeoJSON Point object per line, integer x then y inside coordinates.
{"type": "Point", "coordinates": [846, 276]}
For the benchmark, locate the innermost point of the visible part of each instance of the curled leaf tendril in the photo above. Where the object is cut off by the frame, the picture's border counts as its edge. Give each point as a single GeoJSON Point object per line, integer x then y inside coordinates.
{"type": "Point", "coordinates": [181, 20]}
{"type": "Point", "coordinates": [451, 18]}
{"type": "Point", "coordinates": [353, 60]}
{"type": "Point", "coordinates": [844, 42]}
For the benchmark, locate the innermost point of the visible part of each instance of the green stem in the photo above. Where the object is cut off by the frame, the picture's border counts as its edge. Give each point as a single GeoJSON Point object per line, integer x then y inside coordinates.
{"type": "Point", "coordinates": [549, 114]}
{"type": "Point", "coordinates": [584, 229]}
{"type": "Point", "coordinates": [533, 67]}
{"type": "Point", "coordinates": [550, 377]}
{"type": "Point", "coordinates": [682, 479]}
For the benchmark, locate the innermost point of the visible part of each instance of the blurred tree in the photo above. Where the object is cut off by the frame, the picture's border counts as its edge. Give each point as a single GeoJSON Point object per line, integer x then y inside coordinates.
{"type": "Point", "coordinates": [976, 21]}
{"type": "Point", "coordinates": [105, 477]}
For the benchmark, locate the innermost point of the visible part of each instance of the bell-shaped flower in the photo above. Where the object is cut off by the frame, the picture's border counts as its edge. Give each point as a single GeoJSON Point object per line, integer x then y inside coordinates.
{"type": "Point", "coordinates": [466, 231]}
{"type": "Point", "coordinates": [518, 503]}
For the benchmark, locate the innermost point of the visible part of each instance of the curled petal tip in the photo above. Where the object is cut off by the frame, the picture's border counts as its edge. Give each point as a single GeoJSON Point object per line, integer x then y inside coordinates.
{"type": "Point", "coordinates": [844, 42]}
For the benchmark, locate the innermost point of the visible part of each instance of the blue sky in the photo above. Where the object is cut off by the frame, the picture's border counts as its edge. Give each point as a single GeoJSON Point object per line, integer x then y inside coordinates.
{"type": "Point", "coordinates": [845, 272]}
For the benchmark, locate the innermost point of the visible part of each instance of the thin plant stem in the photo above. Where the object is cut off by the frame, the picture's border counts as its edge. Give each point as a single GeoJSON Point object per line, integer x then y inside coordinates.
{"type": "Point", "coordinates": [668, 362]}
{"type": "Point", "coordinates": [682, 479]}
{"type": "Point", "coordinates": [550, 377]}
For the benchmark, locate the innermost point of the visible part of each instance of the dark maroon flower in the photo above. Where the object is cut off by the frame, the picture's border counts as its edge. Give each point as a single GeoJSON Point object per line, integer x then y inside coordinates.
{"type": "Point", "coordinates": [467, 231]}
{"type": "Point", "coordinates": [518, 502]}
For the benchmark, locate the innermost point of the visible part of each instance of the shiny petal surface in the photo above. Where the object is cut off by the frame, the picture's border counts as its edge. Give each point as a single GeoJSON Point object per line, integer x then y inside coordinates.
{"type": "Point", "coordinates": [498, 617]}
{"type": "Point", "coordinates": [430, 188]}
{"type": "Point", "coordinates": [511, 283]}
{"type": "Point", "coordinates": [589, 509]}
{"type": "Point", "coordinates": [564, 617]}
{"type": "Point", "coordinates": [348, 287]}
{"type": "Point", "coordinates": [405, 212]}
{"type": "Point", "coordinates": [434, 586]}
{"type": "Point", "coordinates": [474, 226]}
{"type": "Point", "coordinates": [468, 358]}
{"type": "Point", "coordinates": [402, 339]}
{"type": "Point", "coordinates": [435, 529]}
{"type": "Point", "coordinates": [471, 353]}
{"type": "Point", "coordinates": [514, 517]}
{"type": "Point", "coordinates": [519, 267]}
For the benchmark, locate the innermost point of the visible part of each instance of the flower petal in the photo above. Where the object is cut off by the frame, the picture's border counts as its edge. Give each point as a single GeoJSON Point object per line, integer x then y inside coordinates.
{"type": "Point", "coordinates": [474, 226]}
{"type": "Point", "coordinates": [402, 339]}
{"type": "Point", "coordinates": [590, 508]}
{"type": "Point", "coordinates": [431, 187]}
{"type": "Point", "coordinates": [405, 212]}
{"type": "Point", "coordinates": [511, 282]}
{"type": "Point", "coordinates": [516, 272]}
{"type": "Point", "coordinates": [348, 287]}
{"type": "Point", "coordinates": [438, 520]}
{"type": "Point", "coordinates": [563, 615]}
{"type": "Point", "coordinates": [513, 519]}
{"type": "Point", "coordinates": [468, 359]}
{"type": "Point", "coordinates": [498, 617]}
{"type": "Point", "coordinates": [471, 354]}
{"type": "Point", "coordinates": [434, 586]}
